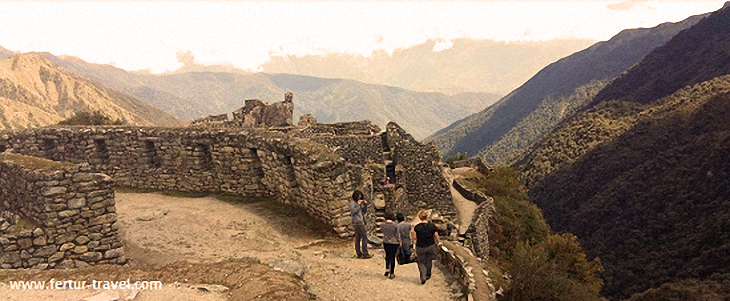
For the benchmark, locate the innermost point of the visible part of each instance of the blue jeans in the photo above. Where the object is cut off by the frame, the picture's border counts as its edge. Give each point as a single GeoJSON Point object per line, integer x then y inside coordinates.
{"type": "Point", "coordinates": [361, 241]}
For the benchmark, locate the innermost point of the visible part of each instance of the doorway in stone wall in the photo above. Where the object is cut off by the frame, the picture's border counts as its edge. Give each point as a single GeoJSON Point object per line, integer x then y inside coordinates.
{"type": "Point", "coordinates": [256, 162]}
{"type": "Point", "coordinates": [150, 152]}
{"type": "Point", "coordinates": [102, 152]}
{"type": "Point", "coordinates": [290, 173]}
{"type": "Point", "coordinates": [204, 156]}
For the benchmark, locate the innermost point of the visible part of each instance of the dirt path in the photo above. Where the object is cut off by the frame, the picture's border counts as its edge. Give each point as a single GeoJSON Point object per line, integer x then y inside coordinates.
{"type": "Point", "coordinates": [207, 229]}
{"type": "Point", "coordinates": [465, 207]}
{"type": "Point", "coordinates": [185, 242]}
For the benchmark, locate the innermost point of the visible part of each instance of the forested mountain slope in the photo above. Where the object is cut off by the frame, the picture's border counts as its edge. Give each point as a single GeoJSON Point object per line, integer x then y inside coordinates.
{"type": "Point", "coordinates": [641, 174]}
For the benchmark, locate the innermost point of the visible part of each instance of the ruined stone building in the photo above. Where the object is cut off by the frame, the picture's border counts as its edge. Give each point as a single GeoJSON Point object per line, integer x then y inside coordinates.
{"type": "Point", "coordinates": [257, 153]}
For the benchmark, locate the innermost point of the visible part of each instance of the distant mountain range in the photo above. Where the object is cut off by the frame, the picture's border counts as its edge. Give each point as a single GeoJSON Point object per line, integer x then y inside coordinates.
{"type": "Point", "coordinates": [466, 66]}
{"type": "Point", "coordinates": [190, 95]}
{"type": "Point", "coordinates": [504, 130]}
{"type": "Point", "coordinates": [640, 173]}
{"type": "Point", "coordinates": [35, 92]}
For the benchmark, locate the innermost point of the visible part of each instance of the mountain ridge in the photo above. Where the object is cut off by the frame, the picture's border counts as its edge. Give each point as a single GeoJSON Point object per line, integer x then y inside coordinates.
{"type": "Point", "coordinates": [36, 92]}
{"type": "Point", "coordinates": [554, 83]}
{"type": "Point", "coordinates": [643, 182]}
{"type": "Point", "coordinates": [192, 95]}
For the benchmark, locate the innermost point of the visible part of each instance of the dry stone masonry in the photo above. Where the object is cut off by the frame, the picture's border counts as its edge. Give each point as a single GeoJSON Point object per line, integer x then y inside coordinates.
{"type": "Point", "coordinates": [315, 168]}
{"type": "Point", "coordinates": [62, 218]}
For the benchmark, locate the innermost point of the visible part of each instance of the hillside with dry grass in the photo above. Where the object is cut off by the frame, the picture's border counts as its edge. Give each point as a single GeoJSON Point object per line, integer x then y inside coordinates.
{"type": "Point", "coordinates": [35, 92]}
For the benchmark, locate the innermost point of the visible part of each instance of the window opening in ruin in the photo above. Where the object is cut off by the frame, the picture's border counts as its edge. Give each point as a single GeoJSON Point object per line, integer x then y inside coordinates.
{"type": "Point", "coordinates": [291, 175]}
{"type": "Point", "coordinates": [257, 166]}
{"type": "Point", "coordinates": [203, 154]}
{"type": "Point", "coordinates": [101, 149]}
{"type": "Point", "coordinates": [384, 137]}
{"type": "Point", "coordinates": [151, 154]}
{"type": "Point", "coordinates": [2, 148]}
{"type": "Point", "coordinates": [49, 147]}
{"type": "Point", "coordinates": [390, 172]}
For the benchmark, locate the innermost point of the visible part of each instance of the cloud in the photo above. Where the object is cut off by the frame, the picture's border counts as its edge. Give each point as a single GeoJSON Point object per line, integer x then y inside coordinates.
{"type": "Point", "coordinates": [624, 6]}
{"type": "Point", "coordinates": [185, 57]}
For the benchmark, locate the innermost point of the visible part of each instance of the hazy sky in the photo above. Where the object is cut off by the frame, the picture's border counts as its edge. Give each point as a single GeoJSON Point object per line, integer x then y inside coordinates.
{"type": "Point", "coordinates": [147, 35]}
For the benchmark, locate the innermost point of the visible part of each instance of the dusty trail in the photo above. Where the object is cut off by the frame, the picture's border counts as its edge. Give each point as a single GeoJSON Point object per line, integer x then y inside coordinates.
{"type": "Point", "coordinates": [207, 229]}
{"type": "Point", "coordinates": [465, 207]}
{"type": "Point", "coordinates": [186, 242]}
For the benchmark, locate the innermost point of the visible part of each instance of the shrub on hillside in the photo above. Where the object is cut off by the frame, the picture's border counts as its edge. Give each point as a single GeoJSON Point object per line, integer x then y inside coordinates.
{"type": "Point", "coordinates": [457, 157]}
{"type": "Point", "coordinates": [543, 265]}
{"type": "Point", "coordinates": [554, 269]}
{"type": "Point", "coordinates": [90, 118]}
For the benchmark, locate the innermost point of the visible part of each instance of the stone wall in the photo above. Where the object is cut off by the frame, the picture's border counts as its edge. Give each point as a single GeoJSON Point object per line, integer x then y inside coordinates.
{"type": "Point", "coordinates": [358, 128]}
{"type": "Point", "coordinates": [61, 218]}
{"type": "Point", "coordinates": [474, 162]}
{"type": "Point", "coordinates": [418, 174]}
{"type": "Point", "coordinates": [358, 150]}
{"type": "Point", "coordinates": [474, 196]}
{"type": "Point", "coordinates": [258, 114]}
{"type": "Point", "coordinates": [423, 179]}
{"type": "Point", "coordinates": [481, 224]}
{"type": "Point", "coordinates": [466, 269]}
{"type": "Point", "coordinates": [250, 162]}
{"type": "Point", "coordinates": [314, 171]}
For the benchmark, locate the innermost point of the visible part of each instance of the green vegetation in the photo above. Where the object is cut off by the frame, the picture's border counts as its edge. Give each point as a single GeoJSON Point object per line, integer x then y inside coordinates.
{"type": "Point", "coordinates": [90, 118]}
{"type": "Point", "coordinates": [553, 269]}
{"type": "Point", "coordinates": [543, 265]}
{"type": "Point", "coordinates": [457, 157]}
{"type": "Point", "coordinates": [34, 163]}
{"type": "Point", "coordinates": [24, 223]}
{"type": "Point", "coordinates": [643, 180]}
{"type": "Point", "coordinates": [688, 290]}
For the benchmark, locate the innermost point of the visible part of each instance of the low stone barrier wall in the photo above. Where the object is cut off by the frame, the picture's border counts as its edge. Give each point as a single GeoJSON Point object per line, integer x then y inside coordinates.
{"type": "Point", "coordinates": [59, 218]}
{"type": "Point", "coordinates": [484, 216]}
{"type": "Point", "coordinates": [465, 269]}
{"type": "Point", "coordinates": [475, 163]}
{"type": "Point", "coordinates": [474, 196]}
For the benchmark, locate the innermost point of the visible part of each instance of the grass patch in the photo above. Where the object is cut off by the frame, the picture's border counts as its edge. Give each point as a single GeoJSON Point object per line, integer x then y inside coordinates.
{"type": "Point", "coordinates": [34, 163]}
{"type": "Point", "coordinates": [495, 273]}
{"type": "Point", "coordinates": [24, 223]}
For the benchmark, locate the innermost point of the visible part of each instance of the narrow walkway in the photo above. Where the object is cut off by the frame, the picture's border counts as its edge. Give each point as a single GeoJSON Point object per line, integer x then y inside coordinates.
{"type": "Point", "coordinates": [465, 207]}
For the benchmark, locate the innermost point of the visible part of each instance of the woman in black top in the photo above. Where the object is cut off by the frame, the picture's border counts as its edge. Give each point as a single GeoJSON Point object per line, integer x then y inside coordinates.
{"type": "Point", "coordinates": [426, 237]}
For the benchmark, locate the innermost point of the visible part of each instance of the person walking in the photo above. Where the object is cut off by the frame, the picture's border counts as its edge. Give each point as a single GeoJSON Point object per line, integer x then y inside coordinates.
{"type": "Point", "coordinates": [391, 241]}
{"type": "Point", "coordinates": [404, 233]}
{"type": "Point", "coordinates": [426, 237]}
{"type": "Point", "coordinates": [358, 209]}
